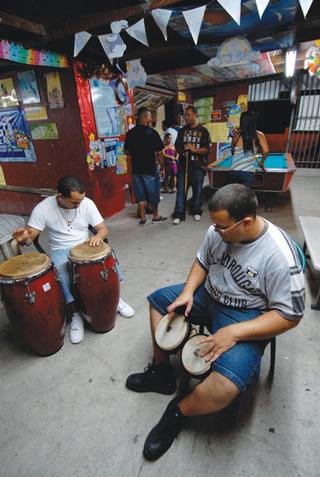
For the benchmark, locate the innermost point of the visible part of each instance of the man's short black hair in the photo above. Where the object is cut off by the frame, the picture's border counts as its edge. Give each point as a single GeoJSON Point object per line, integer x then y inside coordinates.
{"type": "Point", "coordinates": [238, 199]}
{"type": "Point", "coordinates": [193, 109]}
{"type": "Point", "coordinates": [68, 184]}
{"type": "Point", "coordinates": [141, 112]}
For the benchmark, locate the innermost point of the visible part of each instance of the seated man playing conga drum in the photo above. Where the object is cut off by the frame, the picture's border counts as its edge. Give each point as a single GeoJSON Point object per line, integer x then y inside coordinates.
{"type": "Point", "coordinates": [67, 216]}
{"type": "Point", "coordinates": [248, 284]}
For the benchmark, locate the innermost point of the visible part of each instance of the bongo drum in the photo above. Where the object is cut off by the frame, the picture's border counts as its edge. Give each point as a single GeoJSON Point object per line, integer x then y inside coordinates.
{"type": "Point", "coordinates": [192, 362]}
{"type": "Point", "coordinates": [33, 299]}
{"type": "Point", "coordinates": [171, 334]}
{"type": "Point", "coordinates": [96, 284]}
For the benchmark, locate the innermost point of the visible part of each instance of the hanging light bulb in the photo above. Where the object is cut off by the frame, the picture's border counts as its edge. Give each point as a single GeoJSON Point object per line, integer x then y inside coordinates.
{"type": "Point", "coordinates": [291, 56]}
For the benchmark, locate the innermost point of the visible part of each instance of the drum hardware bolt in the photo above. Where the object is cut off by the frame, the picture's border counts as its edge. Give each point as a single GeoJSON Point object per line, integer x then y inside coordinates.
{"type": "Point", "coordinates": [75, 278]}
{"type": "Point", "coordinates": [31, 297]}
{"type": "Point", "coordinates": [104, 274]}
{"type": "Point", "coordinates": [114, 268]}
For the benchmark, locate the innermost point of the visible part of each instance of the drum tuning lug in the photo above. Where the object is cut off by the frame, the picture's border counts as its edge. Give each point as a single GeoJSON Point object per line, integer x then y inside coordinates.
{"type": "Point", "coordinates": [31, 297]}
{"type": "Point", "coordinates": [104, 274]}
{"type": "Point", "coordinates": [114, 268]}
{"type": "Point", "coordinates": [75, 278]}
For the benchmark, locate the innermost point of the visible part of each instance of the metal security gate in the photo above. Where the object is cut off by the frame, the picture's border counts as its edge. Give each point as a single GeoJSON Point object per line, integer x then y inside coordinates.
{"type": "Point", "coordinates": [304, 133]}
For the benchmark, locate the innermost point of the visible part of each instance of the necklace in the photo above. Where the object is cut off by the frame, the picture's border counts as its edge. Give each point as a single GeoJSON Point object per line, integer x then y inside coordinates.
{"type": "Point", "coordinates": [68, 222]}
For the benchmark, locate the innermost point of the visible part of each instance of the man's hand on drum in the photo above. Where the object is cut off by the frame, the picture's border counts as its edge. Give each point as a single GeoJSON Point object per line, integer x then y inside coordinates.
{"type": "Point", "coordinates": [214, 345]}
{"type": "Point", "coordinates": [95, 240]}
{"type": "Point", "coordinates": [22, 235]}
{"type": "Point", "coordinates": [185, 299]}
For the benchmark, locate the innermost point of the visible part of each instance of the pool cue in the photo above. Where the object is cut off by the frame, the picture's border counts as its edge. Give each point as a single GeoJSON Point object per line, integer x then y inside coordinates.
{"type": "Point", "coordinates": [186, 183]}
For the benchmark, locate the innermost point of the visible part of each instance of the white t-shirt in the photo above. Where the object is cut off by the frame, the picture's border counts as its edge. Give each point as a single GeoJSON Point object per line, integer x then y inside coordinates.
{"type": "Point", "coordinates": [48, 215]}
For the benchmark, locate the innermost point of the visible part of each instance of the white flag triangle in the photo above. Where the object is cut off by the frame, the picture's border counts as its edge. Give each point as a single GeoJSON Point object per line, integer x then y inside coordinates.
{"type": "Point", "coordinates": [113, 45]}
{"type": "Point", "coordinates": [194, 19]}
{"type": "Point", "coordinates": [80, 40]}
{"type": "Point", "coordinates": [162, 17]}
{"type": "Point", "coordinates": [261, 5]}
{"type": "Point", "coordinates": [233, 7]}
{"type": "Point", "coordinates": [138, 32]}
{"type": "Point", "coordinates": [305, 5]}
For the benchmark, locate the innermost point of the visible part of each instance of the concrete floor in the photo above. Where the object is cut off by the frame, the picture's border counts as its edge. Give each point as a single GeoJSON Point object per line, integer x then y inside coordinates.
{"type": "Point", "coordinates": [70, 414]}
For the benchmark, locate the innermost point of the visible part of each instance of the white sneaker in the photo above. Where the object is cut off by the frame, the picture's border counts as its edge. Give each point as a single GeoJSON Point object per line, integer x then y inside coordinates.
{"type": "Point", "coordinates": [176, 221]}
{"type": "Point", "coordinates": [197, 217]}
{"type": "Point", "coordinates": [76, 329]}
{"type": "Point", "coordinates": [124, 309]}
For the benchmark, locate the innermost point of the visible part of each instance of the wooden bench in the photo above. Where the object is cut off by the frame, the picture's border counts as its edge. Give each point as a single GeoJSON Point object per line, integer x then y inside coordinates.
{"type": "Point", "coordinates": [311, 230]}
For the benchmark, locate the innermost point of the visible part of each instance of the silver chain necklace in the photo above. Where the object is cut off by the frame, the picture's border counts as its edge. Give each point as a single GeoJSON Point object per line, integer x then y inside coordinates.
{"type": "Point", "coordinates": [68, 222]}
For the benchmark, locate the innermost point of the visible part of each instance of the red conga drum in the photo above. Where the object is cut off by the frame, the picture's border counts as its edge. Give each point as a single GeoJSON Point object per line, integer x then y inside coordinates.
{"type": "Point", "coordinates": [34, 302]}
{"type": "Point", "coordinates": [96, 284]}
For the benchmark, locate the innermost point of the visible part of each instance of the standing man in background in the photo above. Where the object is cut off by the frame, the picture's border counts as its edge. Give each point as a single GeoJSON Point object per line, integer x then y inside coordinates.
{"type": "Point", "coordinates": [193, 145]}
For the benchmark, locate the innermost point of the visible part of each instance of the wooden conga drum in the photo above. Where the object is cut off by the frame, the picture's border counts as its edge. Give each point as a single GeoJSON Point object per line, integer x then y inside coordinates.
{"type": "Point", "coordinates": [96, 284]}
{"type": "Point", "coordinates": [34, 302]}
{"type": "Point", "coordinates": [192, 362]}
{"type": "Point", "coordinates": [171, 334]}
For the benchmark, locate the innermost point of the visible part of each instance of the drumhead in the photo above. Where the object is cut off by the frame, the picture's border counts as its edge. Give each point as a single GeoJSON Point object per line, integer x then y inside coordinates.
{"type": "Point", "coordinates": [85, 253]}
{"type": "Point", "coordinates": [170, 339]}
{"type": "Point", "coordinates": [25, 266]}
{"type": "Point", "coordinates": [192, 363]}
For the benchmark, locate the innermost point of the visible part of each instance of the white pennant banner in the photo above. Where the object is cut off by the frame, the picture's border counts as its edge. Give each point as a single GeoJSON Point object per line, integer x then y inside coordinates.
{"type": "Point", "coordinates": [194, 19]}
{"type": "Point", "coordinates": [136, 74]}
{"type": "Point", "coordinates": [261, 5]}
{"type": "Point", "coordinates": [233, 7]}
{"type": "Point", "coordinates": [113, 45]}
{"type": "Point", "coordinates": [138, 32]}
{"type": "Point", "coordinates": [162, 17]}
{"type": "Point", "coordinates": [119, 25]}
{"type": "Point", "coordinates": [80, 40]}
{"type": "Point", "coordinates": [305, 5]}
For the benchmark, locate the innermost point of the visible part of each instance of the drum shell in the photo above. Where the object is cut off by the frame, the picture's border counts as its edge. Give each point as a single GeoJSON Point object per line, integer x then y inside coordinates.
{"type": "Point", "coordinates": [40, 324]}
{"type": "Point", "coordinates": [96, 287]}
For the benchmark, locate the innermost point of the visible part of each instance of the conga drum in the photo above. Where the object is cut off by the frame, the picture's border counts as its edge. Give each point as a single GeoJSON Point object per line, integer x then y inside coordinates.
{"type": "Point", "coordinates": [171, 334]}
{"type": "Point", "coordinates": [96, 284]}
{"type": "Point", "coordinates": [33, 299]}
{"type": "Point", "coordinates": [192, 362]}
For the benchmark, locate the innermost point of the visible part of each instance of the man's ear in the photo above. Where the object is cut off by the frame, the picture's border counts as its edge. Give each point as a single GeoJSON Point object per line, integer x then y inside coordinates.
{"type": "Point", "coordinates": [248, 221]}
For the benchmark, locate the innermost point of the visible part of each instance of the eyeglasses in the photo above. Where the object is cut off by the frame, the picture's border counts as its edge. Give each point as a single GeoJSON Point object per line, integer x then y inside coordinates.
{"type": "Point", "coordinates": [223, 231]}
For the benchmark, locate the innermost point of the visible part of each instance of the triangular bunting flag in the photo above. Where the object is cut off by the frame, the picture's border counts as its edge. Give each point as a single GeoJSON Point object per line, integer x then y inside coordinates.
{"type": "Point", "coordinates": [233, 7]}
{"type": "Point", "coordinates": [138, 32]}
{"type": "Point", "coordinates": [162, 17]}
{"type": "Point", "coordinates": [113, 45]}
{"type": "Point", "coordinates": [119, 25]}
{"type": "Point", "coordinates": [305, 5]}
{"type": "Point", "coordinates": [261, 5]}
{"type": "Point", "coordinates": [80, 40]}
{"type": "Point", "coordinates": [194, 19]}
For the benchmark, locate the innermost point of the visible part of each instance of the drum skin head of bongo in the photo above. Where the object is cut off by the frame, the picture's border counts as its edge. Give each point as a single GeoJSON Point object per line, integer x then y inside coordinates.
{"type": "Point", "coordinates": [192, 362]}
{"type": "Point", "coordinates": [25, 266]}
{"type": "Point", "coordinates": [84, 253]}
{"type": "Point", "coordinates": [169, 339]}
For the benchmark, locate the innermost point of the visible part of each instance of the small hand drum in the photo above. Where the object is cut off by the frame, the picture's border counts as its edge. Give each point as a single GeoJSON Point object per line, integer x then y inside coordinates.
{"type": "Point", "coordinates": [171, 334]}
{"type": "Point", "coordinates": [192, 362]}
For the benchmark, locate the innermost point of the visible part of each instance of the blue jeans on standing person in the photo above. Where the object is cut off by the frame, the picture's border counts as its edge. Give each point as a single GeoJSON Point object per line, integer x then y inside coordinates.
{"type": "Point", "coordinates": [146, 188]}
{"type": "Point", "coordinates": [195, 179]}
{"type": "Point", "coordinates": [62, 264]}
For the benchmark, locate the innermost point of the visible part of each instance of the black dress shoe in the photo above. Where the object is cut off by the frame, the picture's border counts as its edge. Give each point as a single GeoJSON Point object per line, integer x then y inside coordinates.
{"type": "Point", "coordinates": [164, 433]}
{"type": "Point", "coordinates": [158, 379]}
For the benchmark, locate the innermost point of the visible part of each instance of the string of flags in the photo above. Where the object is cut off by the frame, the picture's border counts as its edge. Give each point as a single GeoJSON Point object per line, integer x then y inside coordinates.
{"type": "Point", "coordinates": [114, 46]}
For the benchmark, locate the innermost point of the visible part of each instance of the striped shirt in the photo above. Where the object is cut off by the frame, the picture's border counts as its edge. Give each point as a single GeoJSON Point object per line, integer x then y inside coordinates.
{"type": "Point", "coordinates": [264, 274]}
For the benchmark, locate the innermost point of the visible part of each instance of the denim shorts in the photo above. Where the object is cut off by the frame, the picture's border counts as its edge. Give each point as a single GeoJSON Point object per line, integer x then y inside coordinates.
{"type": "Point", "coordinates": [147, 188]}
{"type": "Point", "coordinates": [240, 364]}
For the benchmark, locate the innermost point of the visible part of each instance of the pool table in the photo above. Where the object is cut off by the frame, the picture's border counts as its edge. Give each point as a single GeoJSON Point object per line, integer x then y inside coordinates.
{"type": "Point", "coordinates": [279, 166]}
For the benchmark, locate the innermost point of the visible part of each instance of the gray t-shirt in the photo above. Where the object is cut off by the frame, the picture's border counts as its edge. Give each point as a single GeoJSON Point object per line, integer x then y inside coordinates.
{"type": "Point", "coordinates": [264, 274]}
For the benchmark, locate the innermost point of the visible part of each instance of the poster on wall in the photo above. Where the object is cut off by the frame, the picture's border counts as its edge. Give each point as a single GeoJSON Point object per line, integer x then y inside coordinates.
{"type": "Point", "coordinates": [28, 87]}
{"type": "Point", "coordinates": [105, 108]}
{"type": "Point", "coordinates": [223, 150]}
{"type": "Point", "coordinates": [204, 107]}
{"type": "Point", "coordinates": [8, 96]}
{"type": "Point", "coordinates": [44, 131]}
{"type": "Point", "coordinates": [35, 113]}
{"type": "Point", "coordinates": [121, 164]}
{"type": "Point", "coordinates": [15, 138]}
{"type": "Point", "coordinates": [54, 90]}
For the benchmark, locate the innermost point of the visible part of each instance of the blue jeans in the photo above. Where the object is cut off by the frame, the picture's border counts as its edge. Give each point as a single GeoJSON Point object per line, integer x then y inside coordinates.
{"type": "Point", "coordinates": [195, 179]}
{"type": "Point", "coordinates": [61, 262]}
{"type": "Point", "coordinates": [240, 364]}
{"type": "Point", "coordinates": [147, 188]}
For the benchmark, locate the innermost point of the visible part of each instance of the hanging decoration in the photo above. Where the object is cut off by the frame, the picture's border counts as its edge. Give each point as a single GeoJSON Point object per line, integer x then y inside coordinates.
{"type": "Point", "coordinates": [234, 51]}
{"type": "Point", "coordinates": [136, 74]}
{"type": "Point", "coordinates": [54, 90]}
{"type": "Point", "coordinates": [80, 40]}
{"type": "Point", "coordinates": [305, 5]}
{"type": "Point", "coordinates": [233, 7]}
{"type": "Point", "coordinates": [30, 56]}
{"type": "Point", "coordinates": [119, 25]}
{"type": "Point", "coordinates": [113, 45]}
{"type": "Point", "coordinates": [261, 5]}
{"type": "Point", "coordinates": [138, 32]}
{"type": "Point", "coordinates": [162, 17]}
{"type": "Point", "coordinates": [312, 61]}
{"type": "Point", "coordinates": [194, 19]}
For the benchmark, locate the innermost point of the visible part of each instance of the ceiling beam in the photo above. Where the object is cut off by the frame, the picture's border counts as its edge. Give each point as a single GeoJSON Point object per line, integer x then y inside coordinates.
{"type": "Point", "coordinates": [22, 24]}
